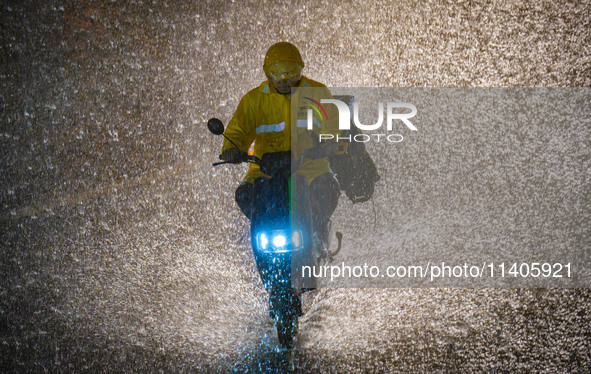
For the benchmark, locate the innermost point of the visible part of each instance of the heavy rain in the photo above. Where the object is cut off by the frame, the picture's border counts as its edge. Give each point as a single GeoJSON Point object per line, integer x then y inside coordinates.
{"type": "Point", "coordinates": [122, 249]}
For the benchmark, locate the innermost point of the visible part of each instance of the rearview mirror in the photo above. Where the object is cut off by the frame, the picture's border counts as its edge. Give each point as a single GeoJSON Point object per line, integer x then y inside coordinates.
{"type": "Point", "coordinates": [215, 126]}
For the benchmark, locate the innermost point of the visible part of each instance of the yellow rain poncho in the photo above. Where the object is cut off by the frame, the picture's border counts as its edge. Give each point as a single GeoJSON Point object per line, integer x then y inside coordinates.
{"type": "Point", "coordinates": [264, 117]}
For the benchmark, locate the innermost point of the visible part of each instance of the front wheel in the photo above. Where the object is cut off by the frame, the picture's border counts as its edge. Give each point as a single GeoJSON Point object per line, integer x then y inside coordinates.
{"type": "Point", "coordinates": [287, 329]}
{"type": "Point", "coordinates": [286, 308]}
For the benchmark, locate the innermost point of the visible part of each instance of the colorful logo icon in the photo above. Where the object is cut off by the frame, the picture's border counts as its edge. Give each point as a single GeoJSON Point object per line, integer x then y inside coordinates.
{"type": "Point", "coordinates": [317, 107]}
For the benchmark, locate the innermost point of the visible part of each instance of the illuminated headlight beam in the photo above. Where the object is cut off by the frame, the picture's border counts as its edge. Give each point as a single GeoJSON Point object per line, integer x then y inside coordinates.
{"type": "Point", "coordinates": [279, 241]}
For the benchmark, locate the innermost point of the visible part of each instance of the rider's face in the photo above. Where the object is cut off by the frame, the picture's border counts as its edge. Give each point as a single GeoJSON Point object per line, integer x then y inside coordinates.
{"type": "Point", "coordinates": [284, 86]}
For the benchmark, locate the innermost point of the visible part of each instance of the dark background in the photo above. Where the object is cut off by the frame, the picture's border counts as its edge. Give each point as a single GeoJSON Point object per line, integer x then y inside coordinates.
{"type": "Point", "coordinates": [122, 249]}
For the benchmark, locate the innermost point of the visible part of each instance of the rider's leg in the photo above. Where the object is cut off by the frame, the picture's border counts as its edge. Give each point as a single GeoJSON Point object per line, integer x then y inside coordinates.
{"type": "Point", "coordinates": [324, 194]}
{"type": "Point", "coordinates": [243, 198]}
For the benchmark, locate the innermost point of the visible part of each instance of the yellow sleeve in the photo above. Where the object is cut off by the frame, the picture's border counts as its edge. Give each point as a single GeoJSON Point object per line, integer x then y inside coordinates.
{"type": "Point", "coordinates": [241, 128]}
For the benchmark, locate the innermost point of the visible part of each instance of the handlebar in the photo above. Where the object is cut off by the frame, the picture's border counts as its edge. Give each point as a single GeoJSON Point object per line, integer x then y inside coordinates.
{"type": "Point", "coordinates": [245, 157]}
{"type": "Point", "coordinates": [217, 128]}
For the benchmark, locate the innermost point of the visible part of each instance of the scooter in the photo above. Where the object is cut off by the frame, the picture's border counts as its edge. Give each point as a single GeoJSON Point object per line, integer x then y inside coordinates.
{"type": "Point", "coordinates": [282, 236]}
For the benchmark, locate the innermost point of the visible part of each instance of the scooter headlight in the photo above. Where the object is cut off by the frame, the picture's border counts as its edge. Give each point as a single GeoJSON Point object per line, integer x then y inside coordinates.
{"type": "Point", "coordinates": [297, 241]}
{"type": "Point", "coordinates": [263, 241]}
{"type": "Point", "coordinates": [279, 241]}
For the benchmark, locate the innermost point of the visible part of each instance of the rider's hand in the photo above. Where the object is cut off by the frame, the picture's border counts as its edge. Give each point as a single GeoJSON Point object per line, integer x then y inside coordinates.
{"type": "Point", "coordinates": [233, 155]}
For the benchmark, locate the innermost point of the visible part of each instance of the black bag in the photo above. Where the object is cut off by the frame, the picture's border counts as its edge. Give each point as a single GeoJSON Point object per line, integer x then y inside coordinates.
{"type": "Point", "coordinates": [355, 170]}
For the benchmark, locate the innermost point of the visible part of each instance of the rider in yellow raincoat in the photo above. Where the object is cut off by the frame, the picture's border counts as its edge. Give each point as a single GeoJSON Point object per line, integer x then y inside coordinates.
{"type": "Point", "coordinates": [264, 117]}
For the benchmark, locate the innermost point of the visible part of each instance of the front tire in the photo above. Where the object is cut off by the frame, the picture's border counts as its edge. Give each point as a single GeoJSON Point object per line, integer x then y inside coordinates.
{"type": "Point", "coordinates": [286, 308]}
{"type": "Point", "coordinates": [287, 329]}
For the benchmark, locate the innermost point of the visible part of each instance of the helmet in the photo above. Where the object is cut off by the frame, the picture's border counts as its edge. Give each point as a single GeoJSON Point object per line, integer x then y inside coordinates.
{"type": "Point", "coordinates": [283, 61]}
